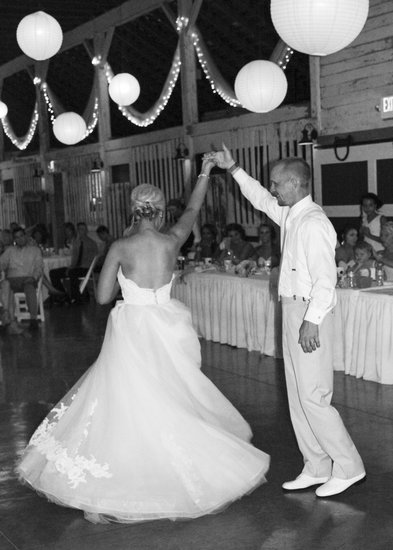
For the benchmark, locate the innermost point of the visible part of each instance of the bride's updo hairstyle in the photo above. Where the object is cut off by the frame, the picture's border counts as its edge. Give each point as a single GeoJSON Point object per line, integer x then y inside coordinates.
{"type": "Point", "coordinates": [147, 201]}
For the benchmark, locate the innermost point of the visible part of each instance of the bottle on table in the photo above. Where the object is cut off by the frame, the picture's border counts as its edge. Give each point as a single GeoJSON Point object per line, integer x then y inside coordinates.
{"type": "Point", "coordinates": [228, 259]}
{"type": "Point", "coordinates": [379, 273]}
{"type": "Point", "coordinates": [351, 280]}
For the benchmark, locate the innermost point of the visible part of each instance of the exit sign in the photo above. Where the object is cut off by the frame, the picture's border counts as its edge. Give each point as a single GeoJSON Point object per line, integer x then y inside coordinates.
{"type": "Point", "coordinates": [386, 107]}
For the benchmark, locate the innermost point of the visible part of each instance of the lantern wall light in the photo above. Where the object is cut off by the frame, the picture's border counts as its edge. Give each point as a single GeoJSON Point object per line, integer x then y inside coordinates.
{"type": "Point", "coordinates": [309, 135]}
{"type": "Point", "coordinates": [261, 86]}
{"type": "Point", "coordinates": [124, 89]}
{"type": "Point", "coordinates": [181, 152]}
{"type": "Point", "coordinates": [319, 27]}
{"type": "Point", "coordinates": [39, 35]}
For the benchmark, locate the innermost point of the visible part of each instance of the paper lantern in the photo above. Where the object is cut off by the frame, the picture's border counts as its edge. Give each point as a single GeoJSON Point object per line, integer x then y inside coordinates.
{"type": "Point", "coordinates": [3, 109]}
{"type": "Point", "coordinates": [39, 35]}
{"type": "Point", "coordinates": [319, 27]}
{"type": "Point", "coordinates": [261, 86]}
{"type": "Point", "coordinates": [124, 89]}
{"type": "Point", "coordinates": [69, 128]}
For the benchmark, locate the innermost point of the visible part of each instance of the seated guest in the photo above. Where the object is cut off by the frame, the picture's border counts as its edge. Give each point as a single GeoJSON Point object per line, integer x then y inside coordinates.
{"type": "Point", "coordinates": [39, 235]}
{"type": "Point", "coordinates": [69, 236]}
{"type": "Point", "coordinates": [23, 266]}
{"type": "Point", "coordinates": [107, 239]}
{"type": "Point", "coordinates": [83, 253]}
{"type": "Point", "coordinates": [345, 253]}
{"type": "Point", "coordinates": [386, 256]}
{"type": "Point", "coordinates": [372, 220]}
{"type": "Point", "coordinates": [268, 248]}
{"type": "Point", "coordinates": [364, 259]}
{"type": "Point", "coordinates": [208, 246]}
{"type": "Point", "coordinates": [236, 243]}
{"type": "Point", "coordinates": [7, 238]}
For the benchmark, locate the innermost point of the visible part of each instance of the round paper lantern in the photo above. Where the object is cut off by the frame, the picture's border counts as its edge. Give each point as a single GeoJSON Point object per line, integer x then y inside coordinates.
{"type": "Point", "coordinates": [261, 86]}
{"type": "Point", "coordinates": [124, 89]}
{"type": "Point", "coordinates": [69, 128]}
{"type": "Point", "coordinates": [39, 35]}
{"type": "Point", "coordinates": [3, 109]}
{"type": "Point", "coordinates": [318, 27]}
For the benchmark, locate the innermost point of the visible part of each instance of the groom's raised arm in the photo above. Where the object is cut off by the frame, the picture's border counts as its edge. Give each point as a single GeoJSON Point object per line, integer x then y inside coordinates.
{"type": "Point", "coordinates": [258, 196]}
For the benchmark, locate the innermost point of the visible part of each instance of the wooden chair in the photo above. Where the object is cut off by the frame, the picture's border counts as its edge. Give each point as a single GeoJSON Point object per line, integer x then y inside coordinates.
{"type": "Point", "coordinates": [21, 311]}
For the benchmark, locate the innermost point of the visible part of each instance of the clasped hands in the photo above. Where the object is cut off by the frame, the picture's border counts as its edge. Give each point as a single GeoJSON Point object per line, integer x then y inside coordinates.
{"type": "Point", "coordinates": [222, 159]}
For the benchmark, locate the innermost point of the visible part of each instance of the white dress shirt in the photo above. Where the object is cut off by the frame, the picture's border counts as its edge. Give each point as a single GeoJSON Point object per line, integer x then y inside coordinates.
{"type": "Point", "coordinates": [308, 242]}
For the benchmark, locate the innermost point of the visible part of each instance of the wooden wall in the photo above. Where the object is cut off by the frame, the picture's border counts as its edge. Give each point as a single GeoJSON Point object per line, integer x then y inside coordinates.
{"type": "Point", "coordinates": [353, 80]}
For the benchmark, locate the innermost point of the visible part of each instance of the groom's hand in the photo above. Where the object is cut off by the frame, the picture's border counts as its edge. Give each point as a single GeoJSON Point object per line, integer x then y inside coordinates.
{"type": "Point", "coordinates": [309, 337]}
{"type": "Point", "coordinates": [223, 159]}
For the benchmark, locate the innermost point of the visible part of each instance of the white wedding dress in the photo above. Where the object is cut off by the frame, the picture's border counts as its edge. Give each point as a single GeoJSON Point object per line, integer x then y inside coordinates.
{"type": "Point", "coordinates": [144, 434]}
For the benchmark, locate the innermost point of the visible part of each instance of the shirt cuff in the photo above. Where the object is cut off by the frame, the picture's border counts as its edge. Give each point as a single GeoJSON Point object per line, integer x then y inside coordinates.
{"type": "Point", "coordinates": [315, 315]}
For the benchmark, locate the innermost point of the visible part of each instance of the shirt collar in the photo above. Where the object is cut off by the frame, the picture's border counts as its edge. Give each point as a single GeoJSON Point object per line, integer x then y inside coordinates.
{"type": "Point", "coordinates": [298, 207]}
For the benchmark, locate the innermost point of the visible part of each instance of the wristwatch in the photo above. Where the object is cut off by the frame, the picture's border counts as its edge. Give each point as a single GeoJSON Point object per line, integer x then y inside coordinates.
{"type": "Point", "coordinates": [234, 167]}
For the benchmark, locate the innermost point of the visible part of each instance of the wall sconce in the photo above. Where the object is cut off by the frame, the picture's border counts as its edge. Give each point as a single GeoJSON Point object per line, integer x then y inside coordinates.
{"type": "Point", "coordinates": [345, 142]}
{"type": "Point", "coordinates": [38, 173]}
{"type": "Point", "coordinates": [309, 135]}
{"type": "Point", "coordinates": [181, 152]}
{"type": "Point", "coordinates": [97, 166]}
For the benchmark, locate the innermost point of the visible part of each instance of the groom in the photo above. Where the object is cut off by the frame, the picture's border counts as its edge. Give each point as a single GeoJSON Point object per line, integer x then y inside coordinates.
{"type": "Point", "coordinates": [307, 293]}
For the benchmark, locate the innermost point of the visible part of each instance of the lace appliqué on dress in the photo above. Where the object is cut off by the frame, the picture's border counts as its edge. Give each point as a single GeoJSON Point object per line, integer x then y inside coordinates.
{"type": "Point", "coordinates": [74, 467]}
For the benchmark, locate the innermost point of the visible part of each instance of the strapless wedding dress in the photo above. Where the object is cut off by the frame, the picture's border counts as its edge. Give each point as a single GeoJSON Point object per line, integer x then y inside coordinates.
{"type": "Point", "coordinates": [144, 434]}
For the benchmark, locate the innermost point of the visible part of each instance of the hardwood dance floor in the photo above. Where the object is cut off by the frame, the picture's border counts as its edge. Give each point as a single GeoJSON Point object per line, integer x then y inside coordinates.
{"type": "Point", "coordinates": [35, 372]}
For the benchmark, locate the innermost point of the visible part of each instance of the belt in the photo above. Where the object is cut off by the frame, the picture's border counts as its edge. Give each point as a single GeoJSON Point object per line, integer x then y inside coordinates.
{"type": "Point", "coordinates": [294, 298]}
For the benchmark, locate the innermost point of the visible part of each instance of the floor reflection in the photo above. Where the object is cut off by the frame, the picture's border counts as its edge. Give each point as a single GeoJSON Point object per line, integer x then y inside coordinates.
{"type": "Point", "coordinates": [36, 372]}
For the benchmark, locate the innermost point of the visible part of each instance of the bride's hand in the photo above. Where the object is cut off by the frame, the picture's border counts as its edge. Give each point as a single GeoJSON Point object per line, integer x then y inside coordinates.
{"type": "Point", "coordinates": [207, 163]}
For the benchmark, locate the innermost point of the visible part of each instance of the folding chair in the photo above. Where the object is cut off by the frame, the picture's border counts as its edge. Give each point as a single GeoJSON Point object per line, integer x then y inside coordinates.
{"type": "Point", "coordinates": [89, 277]}
{"type": "Point", "coordinates": [21, 311]}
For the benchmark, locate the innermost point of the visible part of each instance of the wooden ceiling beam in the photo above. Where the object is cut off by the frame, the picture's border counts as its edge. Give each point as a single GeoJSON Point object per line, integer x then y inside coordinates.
{"type": "Point", "coordinates": [132, 9]}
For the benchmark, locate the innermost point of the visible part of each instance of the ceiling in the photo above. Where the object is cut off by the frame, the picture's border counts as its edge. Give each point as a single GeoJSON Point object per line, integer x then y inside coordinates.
{"type": "Point", "coordinates": [235, 32]}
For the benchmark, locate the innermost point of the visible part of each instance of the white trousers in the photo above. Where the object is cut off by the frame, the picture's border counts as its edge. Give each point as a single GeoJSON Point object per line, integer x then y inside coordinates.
{"type": "Point", "coordinates": [322, 438]}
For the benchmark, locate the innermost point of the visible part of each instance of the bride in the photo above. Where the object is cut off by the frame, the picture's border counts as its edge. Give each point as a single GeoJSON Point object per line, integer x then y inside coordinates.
{"type": "Point", "coordinates": [144, 434]}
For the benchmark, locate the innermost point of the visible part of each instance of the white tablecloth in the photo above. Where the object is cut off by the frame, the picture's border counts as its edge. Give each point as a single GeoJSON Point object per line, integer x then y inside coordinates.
{"type": "Point", "coordinates": [364, 334]}
{"type": "Point", "coordinates": [241, 312]}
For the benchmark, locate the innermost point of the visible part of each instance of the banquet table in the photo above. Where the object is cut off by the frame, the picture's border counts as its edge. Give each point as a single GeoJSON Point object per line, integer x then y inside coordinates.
{"type": "Point", "coordinates": [242, 312]}
{"type": "Point", "coordinates": [364, 333]}
{"type": "Point", "coordinates": [245, 312]}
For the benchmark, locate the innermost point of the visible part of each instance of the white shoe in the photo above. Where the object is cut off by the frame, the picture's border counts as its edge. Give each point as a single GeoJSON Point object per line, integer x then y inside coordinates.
{"type": "Point", "coordinates": [303, 481]}
{"type": "Point", "coordinates": [336, 485]}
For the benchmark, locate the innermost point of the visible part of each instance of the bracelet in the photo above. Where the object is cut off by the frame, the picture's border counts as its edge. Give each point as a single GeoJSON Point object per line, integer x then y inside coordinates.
{"type": "Point", "coordinates": [234, 167]}
{"type": "Point", "coordinates": [202, 174]}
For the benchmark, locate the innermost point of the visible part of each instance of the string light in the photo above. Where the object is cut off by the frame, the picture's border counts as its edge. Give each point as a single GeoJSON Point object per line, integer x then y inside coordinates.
{"type": "Point", "coordinates": [145, 119]}
{"type": "Point", "coordinates": [215, 86]}
{"type": "Point", "coordinates": [21, 143]}
{"type": "Point", "coordinates": [281, 55]}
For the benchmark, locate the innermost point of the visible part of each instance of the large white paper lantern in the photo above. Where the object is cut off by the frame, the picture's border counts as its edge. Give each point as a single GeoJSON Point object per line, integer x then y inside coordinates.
{"type": "Point", "coordinates": [39, 35]}
{"type": "Point", "coordinates": [124, 89]}
{"type": "Point", "coordinates": [69, 128]}
{"type": "Point", "coordinates": [261, 86]}
{"type": "Point", "coordinates": [319, 27]}
{"type": "Point", "coordinates": [3, 109]}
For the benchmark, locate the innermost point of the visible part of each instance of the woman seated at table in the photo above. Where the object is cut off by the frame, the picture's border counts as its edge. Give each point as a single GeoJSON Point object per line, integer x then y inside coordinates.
{"type": "Point", "coordinates": [268, 249]}
{"type": "Point", "coordinates": [386, 256]}
{"type": "Point", "coordinates": [236, 243]}
{"type": "Point", "coordinates": [208, 246]}
{"type": "Point", "coordinates": [345, 253]}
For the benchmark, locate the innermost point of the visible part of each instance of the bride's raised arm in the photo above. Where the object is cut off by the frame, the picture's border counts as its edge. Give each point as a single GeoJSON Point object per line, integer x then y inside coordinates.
{"type": "Point", "coordinates": [183, 227]}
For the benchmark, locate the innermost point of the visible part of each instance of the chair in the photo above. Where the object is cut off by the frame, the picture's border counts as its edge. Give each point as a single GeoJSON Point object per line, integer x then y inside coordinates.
{"type": "Point", "coordinates": [89, 277]}
{"type": "Point", "coordinates": [21, 311]}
